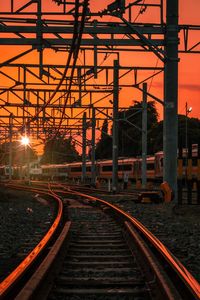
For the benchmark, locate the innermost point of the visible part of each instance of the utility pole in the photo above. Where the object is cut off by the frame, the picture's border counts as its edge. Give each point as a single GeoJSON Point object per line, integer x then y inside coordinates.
{"type": "Point", "coordinates": [170, 137]}
{"type": "Point", "coordinates": [144, 135]}
{"type": "Point", "coordinates": [84, 148]}
{"type": "Point", "coordinates": [187, 111]}
{"type": "Point", "coordinates": [93, 146]}
{"type": "Point", "coordinates": [28, 156]}
{"type": "Point", "coordinates": [115, 127]}
{"type": "Point", "coordinates": [10, 145]}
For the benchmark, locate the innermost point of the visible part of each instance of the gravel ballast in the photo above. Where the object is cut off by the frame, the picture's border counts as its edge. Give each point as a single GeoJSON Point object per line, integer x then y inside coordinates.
{"type": "Point", "coordinates": [177, 227]}
{"type": "Point", "coordinates": [23, 217]}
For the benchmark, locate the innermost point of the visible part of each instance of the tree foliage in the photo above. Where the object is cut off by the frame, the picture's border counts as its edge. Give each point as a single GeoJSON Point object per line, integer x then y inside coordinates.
{"type": "Point", "coordinates": [104, 130]}
{"type": "Point", "coordinates": [104, 145]}
{"type": "Point", "coordinates": [193, 130]}
{"type": "Point", "coordinates": [20, 153]}
{"type": "Point", "coordinates": [130, 129]}
{"type": "Point", "coordinates": [59, 150]}
{"type": "Point", "coordinates": [130, 132]}
{"type": "Point", "coordinates": [193, 133]}
{"type": "Point", "coordinates": [130, 135]}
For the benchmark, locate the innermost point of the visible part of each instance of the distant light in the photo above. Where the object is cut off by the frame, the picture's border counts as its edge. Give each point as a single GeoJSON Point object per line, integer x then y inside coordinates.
{"type": "Point", "coordinates": [189, 109]}
{"type": "Point", "coordinates": [25, 140]}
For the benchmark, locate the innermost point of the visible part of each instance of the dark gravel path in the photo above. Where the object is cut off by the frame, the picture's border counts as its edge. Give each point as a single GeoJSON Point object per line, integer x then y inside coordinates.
{"type": "Point", "coordinates": [22, 221]}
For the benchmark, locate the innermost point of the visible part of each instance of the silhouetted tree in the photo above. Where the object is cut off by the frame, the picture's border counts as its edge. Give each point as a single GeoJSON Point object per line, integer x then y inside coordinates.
{"type": "Point", "coordinates": [19, 153]}
{"type": "Point", "coordinates": [130, 129]}
{"type": "Point", "coordinates": [104, 145]}
{"type": "Point", "coordinates": [104, 130]}
{"type": "Point", "coordinates": [193, 130]}
{"type": "Point", "coordinates": [130, 132]}
{"type": "Point", "coordinates": [193, 133]}
{"type": "Point", "coordinates": [59, 150]}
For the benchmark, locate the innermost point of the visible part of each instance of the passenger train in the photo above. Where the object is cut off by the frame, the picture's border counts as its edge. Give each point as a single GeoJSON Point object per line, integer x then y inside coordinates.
{"type": "Point", "coordinates": [129, 167]}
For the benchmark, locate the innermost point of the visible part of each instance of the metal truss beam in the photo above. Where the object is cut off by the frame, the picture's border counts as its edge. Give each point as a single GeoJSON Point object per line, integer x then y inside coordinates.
{"type": "Point", "coordinates": [99, 28]}
{"type": "Point", "coordinates": [30, 24]}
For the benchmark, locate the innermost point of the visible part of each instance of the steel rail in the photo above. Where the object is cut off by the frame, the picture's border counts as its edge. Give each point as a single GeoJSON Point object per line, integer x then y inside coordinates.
{"type": "Point", "coordinates": [35, 282]}
{"type": "Point", "coordinates": [184, 275]}
{"type": "Point", "coordinates": [10, 281]}
{"type": "Point", "coordinates": [192, 286]}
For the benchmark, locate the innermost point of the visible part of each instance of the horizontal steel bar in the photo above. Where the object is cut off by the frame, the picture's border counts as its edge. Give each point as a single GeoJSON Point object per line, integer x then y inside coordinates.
{"type": "Point", "coordinates": [48, 42]}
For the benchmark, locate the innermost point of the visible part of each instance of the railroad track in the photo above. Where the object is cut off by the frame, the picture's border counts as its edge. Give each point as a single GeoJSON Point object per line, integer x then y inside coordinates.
{"type": "Point", "coordinates": [98, 262]}
{"type": "Point", "coordinates": [104, 253]}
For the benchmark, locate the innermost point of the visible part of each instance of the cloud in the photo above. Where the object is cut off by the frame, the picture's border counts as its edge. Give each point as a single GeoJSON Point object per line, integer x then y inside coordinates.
{"type": "Point", "coordinates": [186, 86]}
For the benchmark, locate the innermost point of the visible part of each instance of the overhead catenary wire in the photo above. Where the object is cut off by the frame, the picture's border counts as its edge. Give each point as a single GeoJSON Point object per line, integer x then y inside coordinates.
{"type": "Point", "coordinates": [107, 55]}
{"type": "Point", "coordinates": [71, 51]}
{"type": "Point", "coordinates": [75, 56]}
{"type": "Point", "coordinates": [74, 49]}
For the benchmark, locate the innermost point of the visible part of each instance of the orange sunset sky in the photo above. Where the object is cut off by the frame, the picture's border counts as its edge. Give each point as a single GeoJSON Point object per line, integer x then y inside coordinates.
{"type": "Point", "coordinates": [189, 66]}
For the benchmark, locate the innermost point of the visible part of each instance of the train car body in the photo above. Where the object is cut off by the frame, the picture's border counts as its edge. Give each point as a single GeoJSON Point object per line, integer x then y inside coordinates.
{"type": "Point", "coordinates": [54, 172]}
{"type": "Point", "coordinates": [75, 170]}
{"type": "Point", "coordinates": [129, 169]}
{"type": "Point", "coordinates": [35, 171]}
{"type": "Point", "coordinates": [188, 164]}
{"type": "Point", "coordinates": [150, 168]}
{"type": "Point", "coordinates": [4, 172]}
{"type": "Point", "coordinates": [126, 168]}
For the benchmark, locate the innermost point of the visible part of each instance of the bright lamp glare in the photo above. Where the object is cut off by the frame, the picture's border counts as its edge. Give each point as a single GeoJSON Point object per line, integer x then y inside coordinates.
{"type": "Point", "coordinates": [189, 109]}
{"type": "Point", "coordinates": [25, 140]}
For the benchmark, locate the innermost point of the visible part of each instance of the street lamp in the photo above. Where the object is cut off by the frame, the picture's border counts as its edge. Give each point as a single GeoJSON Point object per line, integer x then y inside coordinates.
{"type": "Point", "coordinates": [187, 111]}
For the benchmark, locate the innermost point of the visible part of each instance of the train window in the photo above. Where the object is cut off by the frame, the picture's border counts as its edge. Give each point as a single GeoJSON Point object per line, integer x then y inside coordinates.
{"type": "Point", "coordinates": [7, 170]}
{"type": "Point", "coordinates": [61, 170]}
{"type": "Point", "coordinates": [150, 166]}
{"type": "Point", "coordinates": [194, 161]}
{"type": "Point", "coordinates": [161, 162]}
{"type": "Point", "coordinates": [76, 169]}
{"type": "Point", "coordinates": [126, 167]}
{"type": "Point", "coordinates": [97, 170]}
{"type": "Point", "coordinates": [107, 168]}
{"type": "Point", "coordinates": [135, 166]}
{"type": "Point", "coordinates": [184, 161]}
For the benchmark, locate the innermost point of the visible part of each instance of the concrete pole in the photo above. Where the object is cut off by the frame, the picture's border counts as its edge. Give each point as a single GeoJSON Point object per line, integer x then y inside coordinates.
{"type": "Point", "coordinates": [186, 135]}
{"type": "Point", "coordinates": [80, 86]}
{"type": "Point", "coordinates": [115, 127]}
{"type": "Point", "coordinates": [28, 156]}
{"type": "Point", "coordinates": [93, 147]}
{"type": "Point", "coordinates": [170, 134]}
{"type": "Point", "coordinates": [144, 136]}
{"type": "Point", "coordinates": [10, 145]}
{"type": "Point", "coordinates": [21, 163]}
{"type": "Point", "coordinates": [39, 36]}
{"type": "Point", "coordinates": [187, 111]}
{"type": "Point", "coordinates": [84, 148]}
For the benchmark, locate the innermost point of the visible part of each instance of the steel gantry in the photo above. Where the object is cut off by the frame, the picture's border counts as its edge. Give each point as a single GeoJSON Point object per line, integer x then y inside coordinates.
{"type": "Point", "coordinates": [47, 95]}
